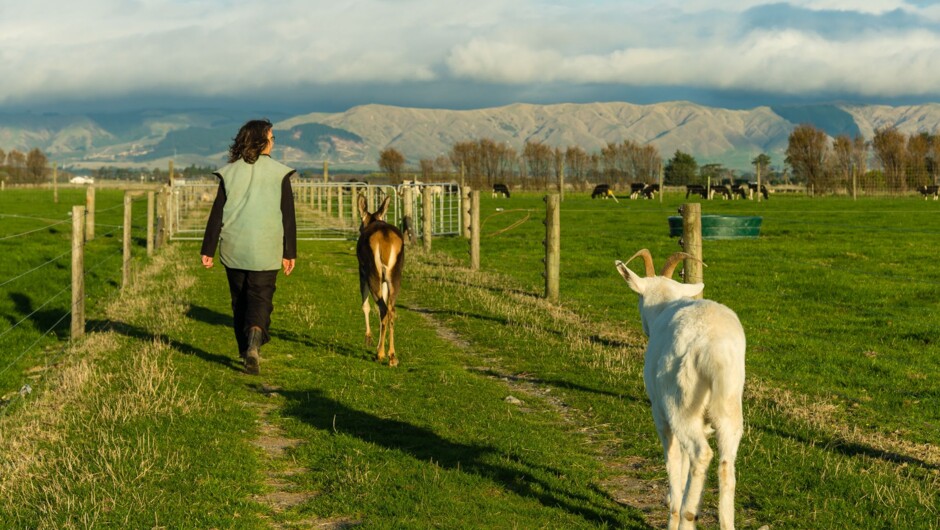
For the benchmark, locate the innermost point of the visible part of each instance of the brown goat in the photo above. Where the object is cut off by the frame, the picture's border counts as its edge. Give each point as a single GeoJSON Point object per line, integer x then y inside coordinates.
{"type": "Point", "coordinates": [381, 253]}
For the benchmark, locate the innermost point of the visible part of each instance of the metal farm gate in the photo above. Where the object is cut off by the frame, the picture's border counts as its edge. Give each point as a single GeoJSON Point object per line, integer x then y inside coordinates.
{"type": "Point", "coordinates": [326, 211]}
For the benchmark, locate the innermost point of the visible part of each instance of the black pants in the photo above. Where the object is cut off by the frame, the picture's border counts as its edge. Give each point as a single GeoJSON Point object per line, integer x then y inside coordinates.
{"type": "Point", "coordinates": [252, 302]}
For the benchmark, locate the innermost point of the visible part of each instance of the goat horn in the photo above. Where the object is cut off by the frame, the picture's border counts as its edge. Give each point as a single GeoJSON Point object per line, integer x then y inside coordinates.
{"type": "Point", "coordinates": [647, 259]}
{"type": "Point", "coordinates": [670, 266]}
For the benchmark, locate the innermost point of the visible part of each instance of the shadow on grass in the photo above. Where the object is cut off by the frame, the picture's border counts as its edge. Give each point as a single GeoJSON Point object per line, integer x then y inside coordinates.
{"type": "Point", "coordinates": [453, 313]}
{"type": "Point", "coordinates": [517, 475]}
{"type": "Point", "coordinates": [130, 330]}
{"type": "Point", "coordinates": [44, 320]}
{"type": "Point", "coordinates": [836, 444]}
{"type": "Point", "coordinates": [214, 318]}
{"type": "Point", "coordinates": [556, 383]}
{"type": "Point", "coordinates": [209, 316]}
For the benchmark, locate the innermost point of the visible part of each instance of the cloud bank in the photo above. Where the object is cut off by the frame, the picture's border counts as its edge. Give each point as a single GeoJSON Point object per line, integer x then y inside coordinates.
{"type": "Point", "coordinates": [449, 54]}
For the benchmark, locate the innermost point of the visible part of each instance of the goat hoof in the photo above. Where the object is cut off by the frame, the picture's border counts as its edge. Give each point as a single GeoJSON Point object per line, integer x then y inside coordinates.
{"type": "Point", "coordinates": [393, 361]}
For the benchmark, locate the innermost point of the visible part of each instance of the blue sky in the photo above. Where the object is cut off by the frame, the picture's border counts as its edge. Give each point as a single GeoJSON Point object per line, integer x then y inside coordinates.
{"type": "Point", "coordinates": [306, 56]}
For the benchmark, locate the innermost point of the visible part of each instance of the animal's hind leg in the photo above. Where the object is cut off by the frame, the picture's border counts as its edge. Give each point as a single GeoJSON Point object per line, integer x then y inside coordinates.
{"type": "Point", "coordinates": [695, 445]}
{"type": "Point", "coordinates": [728, 433]}
{"type": "Point", "coordinates": [674, 471]}
{"type": "Point", "coordinates": [392, 360]}
{"type": "Point", "coordinates": [365, 311]}
{"type": "Point", "coordinates": [383, 328]}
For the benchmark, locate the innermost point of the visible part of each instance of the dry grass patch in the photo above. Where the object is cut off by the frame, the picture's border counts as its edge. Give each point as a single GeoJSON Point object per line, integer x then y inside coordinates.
{"type": "Point", "coordinates": [822, 414]}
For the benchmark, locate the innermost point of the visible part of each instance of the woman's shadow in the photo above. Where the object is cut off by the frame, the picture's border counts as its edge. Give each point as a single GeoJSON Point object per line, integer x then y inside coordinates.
{"type": "Point", "coordinates": [520, 477]}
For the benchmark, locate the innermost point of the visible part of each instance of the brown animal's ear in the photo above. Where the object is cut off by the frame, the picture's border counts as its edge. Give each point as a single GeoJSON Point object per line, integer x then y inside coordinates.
{"type": "Point", "coordinates": [380, 213]}
{"type": "Point", "coordinates": [363, 209]}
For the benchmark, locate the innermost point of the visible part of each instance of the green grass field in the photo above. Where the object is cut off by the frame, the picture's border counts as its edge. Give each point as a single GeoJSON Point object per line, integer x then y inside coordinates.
{"type": "Point", "coordinates": [506, 411]}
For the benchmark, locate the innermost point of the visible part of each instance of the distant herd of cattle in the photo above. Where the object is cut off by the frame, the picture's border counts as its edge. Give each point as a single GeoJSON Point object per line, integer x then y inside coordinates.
{"type": "Point", "coordinates": [649, 191]}
{"type": "Point", "coordinates": [743, 190]}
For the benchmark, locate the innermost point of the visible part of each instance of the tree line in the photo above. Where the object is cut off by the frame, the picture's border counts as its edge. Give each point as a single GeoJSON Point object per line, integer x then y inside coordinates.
{"type": "Point", "coordinates": [17, 167]}
{"type": "Point", "coordinates": [902, 163]}
{"type": "Point", "coordinates": [32, 167]}
{"type": "Point", "coordinates": [485, 162]}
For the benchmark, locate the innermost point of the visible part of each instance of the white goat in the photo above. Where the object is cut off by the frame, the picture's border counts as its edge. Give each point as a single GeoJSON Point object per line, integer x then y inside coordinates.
{"type": "Point", "coordinates": [694, 374]}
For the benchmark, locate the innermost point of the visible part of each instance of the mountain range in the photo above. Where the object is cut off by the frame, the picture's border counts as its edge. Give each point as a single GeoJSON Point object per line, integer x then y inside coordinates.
{"type": "Point", "coordinates": [353, 139]}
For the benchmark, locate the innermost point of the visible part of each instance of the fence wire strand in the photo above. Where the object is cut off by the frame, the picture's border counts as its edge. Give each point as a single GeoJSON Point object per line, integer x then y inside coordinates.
{"type": "Point", "coordinates": [53, 260]}
{"type": "Point", "coordinates": [4, 238]}
{"type": "Point", "coordinates": [44, 304]}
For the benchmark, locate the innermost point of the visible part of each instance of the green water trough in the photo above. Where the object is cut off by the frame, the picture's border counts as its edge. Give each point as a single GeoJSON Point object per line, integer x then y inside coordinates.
{"type": "Point", "coordinates": [721, 226]}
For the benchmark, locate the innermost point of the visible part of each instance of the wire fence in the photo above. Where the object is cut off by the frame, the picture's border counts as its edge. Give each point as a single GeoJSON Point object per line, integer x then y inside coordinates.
{"type": "Point", "coordinates": [33, 294]}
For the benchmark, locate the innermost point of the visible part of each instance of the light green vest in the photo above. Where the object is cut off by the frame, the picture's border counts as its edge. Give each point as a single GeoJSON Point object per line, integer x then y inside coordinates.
{"type": "Point", "coordinates": [252, 227]}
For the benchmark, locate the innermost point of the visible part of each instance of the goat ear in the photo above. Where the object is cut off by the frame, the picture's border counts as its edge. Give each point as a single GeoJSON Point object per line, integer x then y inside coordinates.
{"type": "Point", "coordinates": [691, 290]}
{"type": "Point", "coordinates": [380, 213]}
{"type": "Point", "coordinates": [633, 280]}
{"type": "Point", "coordinates": [363, 208]}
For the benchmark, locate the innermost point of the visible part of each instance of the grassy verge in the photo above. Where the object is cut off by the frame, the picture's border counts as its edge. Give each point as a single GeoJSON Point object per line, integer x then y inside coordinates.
{"type": "Point", "coordinates": [506, 412]}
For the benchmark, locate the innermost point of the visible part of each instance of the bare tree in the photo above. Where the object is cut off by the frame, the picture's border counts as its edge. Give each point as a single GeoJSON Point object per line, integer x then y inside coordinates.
{"type": "Point", "coordinates": [36, 163]}
{"type": "Point", "coordinates": [807, 149]}
{"type": "Point", "coordinates": [859, 157]}
{"type": "Point", "coordinates": [933, 165]}
{"type": "Point", "coordinates": [426, 167]}
{"type": "Point", "coordinates": [467, 155]}
{"type": "Point", "coordinates": [443, 167]}
{"type": "Point", "coordinates": [16, 165]}
{"type": "Point", "coordinates": [647, 163]}
{"type": "Point", "coordinates": [889, 146]}
{"type": "Point", "coordinates": [842, 161]}
{"type": "Point", "coordinates": [539, 160]}
{"type": "Point", "coordinates": [392, 162]}
{"type": "Point", "coordinates": [918, 150]}
{"type": "Point", "coordinates": [577, 161]}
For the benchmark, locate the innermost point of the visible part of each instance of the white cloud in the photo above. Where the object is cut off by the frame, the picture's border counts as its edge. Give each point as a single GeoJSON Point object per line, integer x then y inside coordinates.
{"type": "Point", "coordinates": [111, 48]}
{"type": "Point", "coordinates": [787, 62]}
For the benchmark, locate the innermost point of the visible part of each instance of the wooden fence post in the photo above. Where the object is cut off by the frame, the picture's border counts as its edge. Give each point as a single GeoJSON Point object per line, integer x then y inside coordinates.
{"type": "Point", "coordinates": [150, 209]}
{"type": "Point", "coordinates": [78, 272]}
{"type": "Point", "coordinates": [55, 183]}
{"type": "Point", "coordinates": [126, 262]}
{"type": "Point", "coordinates": [341, 212]}
{"type": "Point", "coordinates": [662, 182]}
{"type": "Point", "coordinates": [90, 213]}
{"type": "Point", "coordinates": [692, 241]}
{"type": "Point", "coordinates": [465, 211]}
{"type": "Point", "coordinates": [759, 194]}
{"type": "Point", "coordinates": [354, 206]}
{"type": "Point", "coordinates": [161, 217]}
{"type": "Point", "coordinates": [426, 218]}
{"type": "Point", "coordinates": [408, 213]}
{"type": "Point", "coordinates": [552, 246]}
{"type": "Point", "coordinates": [474, 230]}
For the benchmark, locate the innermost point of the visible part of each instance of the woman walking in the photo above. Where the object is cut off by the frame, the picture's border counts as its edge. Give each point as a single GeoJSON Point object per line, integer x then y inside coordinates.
{"type": "Point", "coordinates": [253, 224]}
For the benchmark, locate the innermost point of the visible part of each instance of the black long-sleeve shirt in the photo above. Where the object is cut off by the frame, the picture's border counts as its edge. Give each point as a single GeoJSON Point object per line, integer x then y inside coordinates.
{"type": "Point", "coordinates": [210, 240]}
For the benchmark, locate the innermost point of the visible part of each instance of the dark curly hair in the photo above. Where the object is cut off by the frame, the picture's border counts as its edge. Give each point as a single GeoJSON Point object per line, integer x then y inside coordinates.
{"type": "Point", "coordinates": [251, 139]}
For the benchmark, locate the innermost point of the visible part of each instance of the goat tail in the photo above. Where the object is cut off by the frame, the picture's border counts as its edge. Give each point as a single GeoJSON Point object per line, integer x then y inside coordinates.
{"type": "Point", "coordinates": [385, 284]}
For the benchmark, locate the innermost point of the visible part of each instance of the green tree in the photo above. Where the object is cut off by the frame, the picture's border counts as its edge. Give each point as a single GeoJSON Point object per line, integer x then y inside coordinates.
{"type": "Point", "coordinates": [681, 169]}
{"type": "Point", "coordinates": [761, 164]}
{"type": "Point", "coordinates": [716, 172]}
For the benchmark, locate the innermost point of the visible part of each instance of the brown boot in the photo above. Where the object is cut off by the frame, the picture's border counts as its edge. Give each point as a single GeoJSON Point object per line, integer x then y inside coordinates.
{"type": "Point", "coordinates": [253, 354]}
